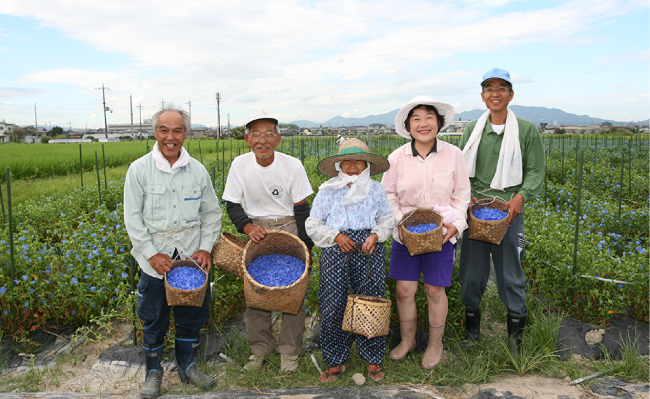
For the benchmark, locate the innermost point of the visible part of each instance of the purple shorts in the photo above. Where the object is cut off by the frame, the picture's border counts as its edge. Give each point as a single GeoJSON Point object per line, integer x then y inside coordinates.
{"type": "Point", "coordinates": [437, 266]}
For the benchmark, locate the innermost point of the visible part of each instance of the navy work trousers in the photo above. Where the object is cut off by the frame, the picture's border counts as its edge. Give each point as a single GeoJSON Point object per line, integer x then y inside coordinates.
{"type": "Point", "coordinates": [154, 311]}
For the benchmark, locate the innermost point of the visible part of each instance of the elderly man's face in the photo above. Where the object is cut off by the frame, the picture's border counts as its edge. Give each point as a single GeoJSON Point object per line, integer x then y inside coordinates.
{"type": "Point", "coordinates": [170, 134]}
{"type": "Point", "coordinates": [262, 138]}
{"type": "Point", "coordinates": [496, 95]}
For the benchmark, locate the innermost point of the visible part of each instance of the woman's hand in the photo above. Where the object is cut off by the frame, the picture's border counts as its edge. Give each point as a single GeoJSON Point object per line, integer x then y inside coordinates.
{"type": "Point", "coordinates": [345, 243]}
{"type": "Point", "coordinates": [369, 245]}
{"type": "Point", "coordinates": [451, 231]}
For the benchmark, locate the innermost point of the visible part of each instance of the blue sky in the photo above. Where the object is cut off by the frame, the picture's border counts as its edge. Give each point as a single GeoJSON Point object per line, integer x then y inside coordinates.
{"type": "Point", "coordinates": [316, 59]}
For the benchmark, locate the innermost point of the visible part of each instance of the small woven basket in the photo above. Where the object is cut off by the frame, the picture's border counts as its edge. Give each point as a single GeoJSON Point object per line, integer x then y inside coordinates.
{"type": "Point", "coordinates": [491, 231]}
{"type": "Point", "coordinates": [179, 297]}
{"type": "Point", "coordinates": [367, 315]}
{"type": "Point", "coordinates": [227, 254]}
{"type": "Point", "coordinates": [422, 243]}
{"type": "Point", "coordinates": [287, 299]}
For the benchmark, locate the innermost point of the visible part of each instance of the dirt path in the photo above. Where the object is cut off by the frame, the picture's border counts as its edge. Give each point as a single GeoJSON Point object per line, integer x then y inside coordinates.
{"type": "Point", "coordinates": [99, 369]}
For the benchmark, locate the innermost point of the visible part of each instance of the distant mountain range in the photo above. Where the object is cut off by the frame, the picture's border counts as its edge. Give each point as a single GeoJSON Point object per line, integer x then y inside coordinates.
{"type": "Point", "coordinates": [536, 115]}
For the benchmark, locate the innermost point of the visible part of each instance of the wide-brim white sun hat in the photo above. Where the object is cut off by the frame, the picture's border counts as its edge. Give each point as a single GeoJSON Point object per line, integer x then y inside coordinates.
{"type": "Point", "coordinates": [258, 116]}
{"type": "Point", "coordinates": [444, 109]}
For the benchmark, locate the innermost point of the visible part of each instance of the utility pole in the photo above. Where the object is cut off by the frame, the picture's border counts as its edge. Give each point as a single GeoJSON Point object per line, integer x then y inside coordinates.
{"type": "Point", "coordinates": [162, 103]}
{"type": "Point", "coordinates": [35, 121]}
{"type": "Point", "coordinates": [140, 107]}
{"type": "Point", "coordinates": [69, 129]}
{"type": "Point", "coordinates": [131, 106]}
{"type": "Point", "coordinates": [190, 104]}
{"type": "Point", "coordinates": [218, 116]}
{"type": "Point", "coordinates": [228, 121]}
{"type": "Point", "coordinates": [105, 109]}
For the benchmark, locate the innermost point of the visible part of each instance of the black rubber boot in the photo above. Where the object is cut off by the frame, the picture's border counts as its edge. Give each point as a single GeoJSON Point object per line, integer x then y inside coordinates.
{"type": "Point", "coordinates": [187, 368]}
{"type": "Point", "coordinates": [472, 325]}
{"type": "Point", "coordinates": [516, 324]}
{"type": "Point", "coordinates": [153, 379]}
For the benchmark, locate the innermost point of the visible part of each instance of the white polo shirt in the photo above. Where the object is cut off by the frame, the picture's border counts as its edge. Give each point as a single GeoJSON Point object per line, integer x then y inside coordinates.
{"type": "Point", "coordinates": [267, 192]}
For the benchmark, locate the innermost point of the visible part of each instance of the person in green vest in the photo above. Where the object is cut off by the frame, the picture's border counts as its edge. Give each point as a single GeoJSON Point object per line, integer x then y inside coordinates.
{"type": "Point", "coordinates": [505, 158]}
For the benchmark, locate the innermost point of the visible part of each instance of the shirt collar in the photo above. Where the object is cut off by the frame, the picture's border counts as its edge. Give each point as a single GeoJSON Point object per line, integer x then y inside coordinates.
{"type": "Point", "coordinates": [416, 153]}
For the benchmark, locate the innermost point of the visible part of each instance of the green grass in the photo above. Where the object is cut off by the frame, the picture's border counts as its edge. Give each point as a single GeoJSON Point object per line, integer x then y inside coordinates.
{"type": "Point", "coordinates": [35, 161]}
{"type": "Point", "coordinates": [26, 189]}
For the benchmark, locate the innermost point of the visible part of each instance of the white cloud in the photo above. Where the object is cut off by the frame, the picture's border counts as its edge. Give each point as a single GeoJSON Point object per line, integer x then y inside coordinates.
{"type": "Point", "coordinates": [351, 113]}
{"type": "Point", "coordinates": [8, 92]}
{"type": "Point", "coordinates": [315, 59]}
{"type": "Point", "coordinates": [635, 56]}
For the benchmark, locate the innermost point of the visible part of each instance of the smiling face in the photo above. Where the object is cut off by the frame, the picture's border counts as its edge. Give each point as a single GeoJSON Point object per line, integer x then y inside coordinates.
{"type": "Point", "coordinates": [170, 134]}
{"type": "Point", "coordinates": [262, 138]}
{"type": "Point", "coordinates": [497, 95]}
{"type": "Point", "coordinates": [353, 167]}
{"type": "Point", "coordinates": [423, 125]}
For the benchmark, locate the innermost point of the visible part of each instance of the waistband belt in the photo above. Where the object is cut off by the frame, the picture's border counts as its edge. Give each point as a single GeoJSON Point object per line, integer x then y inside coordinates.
{"type": "Point", "coordinates": [274, 222]}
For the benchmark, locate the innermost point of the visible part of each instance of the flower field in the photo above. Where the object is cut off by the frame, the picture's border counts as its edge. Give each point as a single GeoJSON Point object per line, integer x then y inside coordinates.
{"type": "Point", "coordinates": [72, 261]}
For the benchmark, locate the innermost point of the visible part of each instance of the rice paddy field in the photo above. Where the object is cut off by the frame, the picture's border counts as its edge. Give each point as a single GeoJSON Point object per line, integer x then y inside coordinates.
{"type": "Point", "coordinates": [66, 259]}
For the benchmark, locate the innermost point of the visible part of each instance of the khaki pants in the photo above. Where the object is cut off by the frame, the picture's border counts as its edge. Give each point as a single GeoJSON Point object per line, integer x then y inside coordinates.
{"type": "Point", "coordinates": [258, 324]}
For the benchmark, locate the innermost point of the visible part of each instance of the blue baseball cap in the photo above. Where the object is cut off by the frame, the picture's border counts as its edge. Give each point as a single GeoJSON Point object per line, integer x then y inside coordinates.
{"type": "Point", "coordinates": [496, 73]}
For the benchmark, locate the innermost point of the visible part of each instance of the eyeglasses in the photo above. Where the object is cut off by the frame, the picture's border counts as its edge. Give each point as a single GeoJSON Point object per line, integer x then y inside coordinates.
{"type": "Point", "coordinates": [256, 138]}
{"type": "Point", "coordinates": [500, 90]}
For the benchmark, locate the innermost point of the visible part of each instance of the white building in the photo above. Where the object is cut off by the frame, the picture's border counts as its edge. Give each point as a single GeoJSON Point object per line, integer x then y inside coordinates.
{"type": "Point", "coordinates": [124, 129]}
{"type": "Point", "coordinates": [6, 129]}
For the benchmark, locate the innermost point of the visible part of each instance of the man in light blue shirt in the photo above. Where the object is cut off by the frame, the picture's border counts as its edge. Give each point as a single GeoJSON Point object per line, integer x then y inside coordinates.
{"type": "Point", "coordinates": [170, 212]}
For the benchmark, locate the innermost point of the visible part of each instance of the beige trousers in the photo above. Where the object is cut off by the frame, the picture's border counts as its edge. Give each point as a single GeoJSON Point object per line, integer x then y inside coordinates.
{"type": "Point", "coordinates": [258, 324]}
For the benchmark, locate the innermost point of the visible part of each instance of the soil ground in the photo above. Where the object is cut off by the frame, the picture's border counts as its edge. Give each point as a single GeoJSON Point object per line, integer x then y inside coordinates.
{"type": "Point", "coordinates": [81, 373]}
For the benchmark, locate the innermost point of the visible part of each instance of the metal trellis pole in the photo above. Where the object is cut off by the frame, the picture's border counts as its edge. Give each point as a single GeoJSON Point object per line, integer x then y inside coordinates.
{"type": "Point", "coordinates": [104, 162]}
{"type": "Point", "coordinates": [99, 183]}
{"type": "Point", "coordinates": [11, 242]}
{"type": "Point", "coordinates": [81, 167]}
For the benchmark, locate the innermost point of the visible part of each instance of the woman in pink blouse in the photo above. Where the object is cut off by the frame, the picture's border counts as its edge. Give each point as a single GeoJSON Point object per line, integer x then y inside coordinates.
{"type": "Point", "coordinates": [425, 173]}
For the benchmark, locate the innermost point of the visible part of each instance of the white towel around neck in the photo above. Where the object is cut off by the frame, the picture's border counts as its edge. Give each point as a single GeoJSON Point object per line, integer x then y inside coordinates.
{"type": "Point", "coordinates": [509, 165]}
{"type": "Point", "coordinates": [163, 164]}
{"type": "Point", "coordinates": [360, 184]}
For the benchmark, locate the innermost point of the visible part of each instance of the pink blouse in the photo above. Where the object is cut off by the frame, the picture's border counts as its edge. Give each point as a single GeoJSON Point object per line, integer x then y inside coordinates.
{"type": "Point", "coordinates": [440, 179]}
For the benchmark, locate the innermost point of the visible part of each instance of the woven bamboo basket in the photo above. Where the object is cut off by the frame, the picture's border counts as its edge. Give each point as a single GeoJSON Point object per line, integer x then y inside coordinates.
{"type": "Point", "coordinates": [491, 231]}
{"type": "Point", "coordinates": [367, 315]}
{"type": "Point", "coordinates": [179, 297]}
{"type": "Point", "coordinates": [287, 299]}
{"type": "Point", "coordinates": [227, 254]}
{"type": "Point", "coordinates": [422, 243]}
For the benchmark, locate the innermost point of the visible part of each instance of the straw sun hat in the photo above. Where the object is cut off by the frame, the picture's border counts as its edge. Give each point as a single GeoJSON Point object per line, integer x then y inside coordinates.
{"type": "Point", "coordinates": [445, 110]}
{"type": "Point", "coordinates": [353, 150]}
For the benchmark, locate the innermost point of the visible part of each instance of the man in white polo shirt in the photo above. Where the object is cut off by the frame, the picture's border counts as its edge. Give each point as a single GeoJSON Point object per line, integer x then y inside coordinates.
{"type": "Point", "coordinates": [267, 190]}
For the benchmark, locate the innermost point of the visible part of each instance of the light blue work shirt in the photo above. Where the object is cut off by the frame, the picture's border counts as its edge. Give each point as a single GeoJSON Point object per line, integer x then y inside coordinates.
{"type": "Point", "coordinates": [164, 211]}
